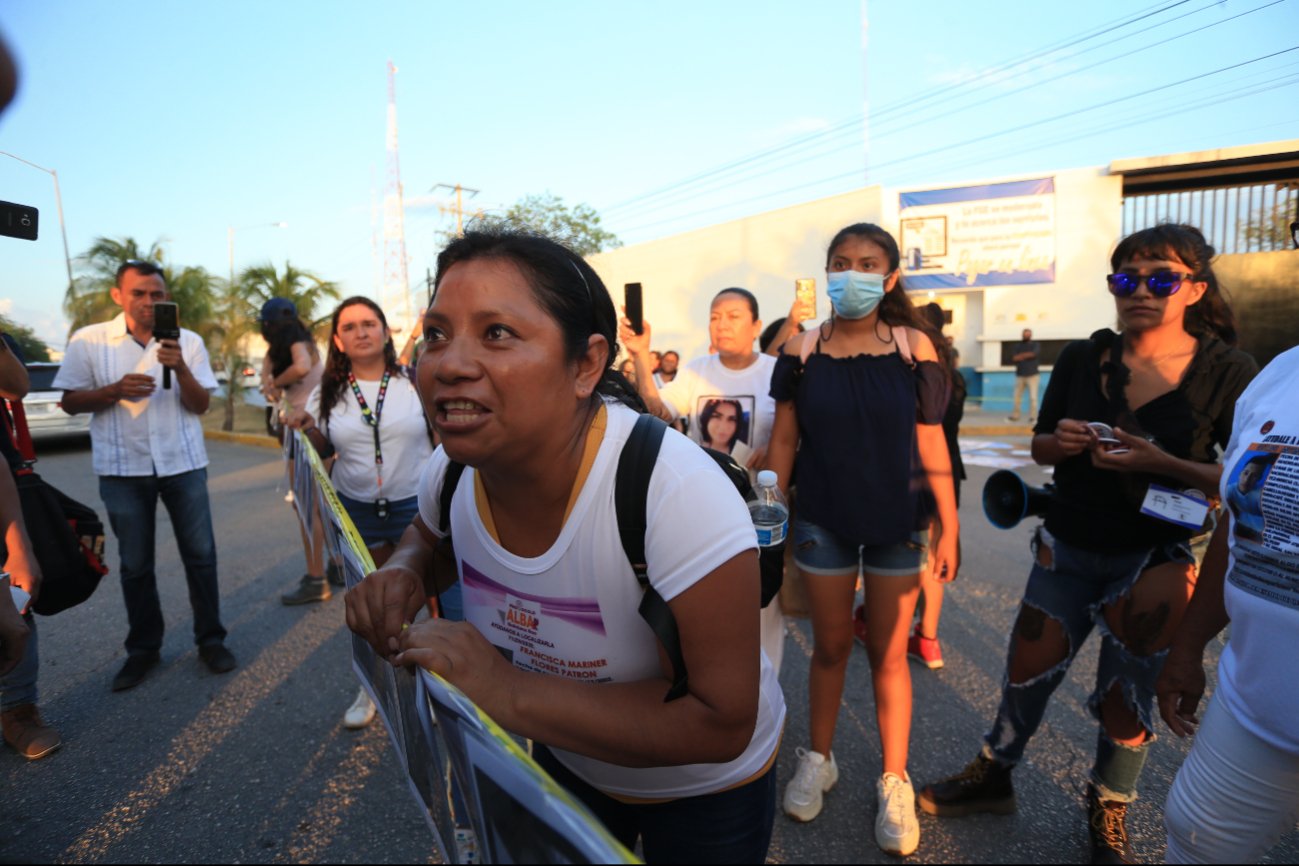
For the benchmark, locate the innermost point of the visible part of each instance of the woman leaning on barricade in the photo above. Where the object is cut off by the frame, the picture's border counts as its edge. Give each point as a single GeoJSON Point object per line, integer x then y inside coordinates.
{"type": "Point", "coordinates": [518, 381]}
{"type": "Point", "coordinates": [861, 399]}
{"type": "Point", "coordinates": [366, 416]}
{"type": "Point", "coordinates": [1132, 422]}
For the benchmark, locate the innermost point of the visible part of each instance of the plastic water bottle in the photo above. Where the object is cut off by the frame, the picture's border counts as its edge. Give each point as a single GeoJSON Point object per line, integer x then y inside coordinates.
{"type": "Point", "coordinates": [769, 510]}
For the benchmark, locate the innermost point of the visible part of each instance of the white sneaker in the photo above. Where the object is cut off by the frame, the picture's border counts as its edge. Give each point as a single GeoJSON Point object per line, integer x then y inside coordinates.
{"type": "Point", "coordinates": [466, 845]}
{"type": "Point", "coordinates": [896, 829]}
{"type": "Point", "coordinates": [360, 713]}
{"type": "Point", "coordinates": [815, 776]}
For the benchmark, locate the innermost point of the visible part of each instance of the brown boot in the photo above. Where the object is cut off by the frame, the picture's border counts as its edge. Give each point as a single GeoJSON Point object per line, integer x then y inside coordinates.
{"type": "Point", "coordinates": [27, 733]}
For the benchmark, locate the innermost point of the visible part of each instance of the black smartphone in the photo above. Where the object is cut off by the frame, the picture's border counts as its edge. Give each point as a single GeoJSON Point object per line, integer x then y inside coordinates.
{"type": "Point", "coordinates": [19, 221]}
{"type": "Point", "coordinates": [635, 306]}
{"type": "Point", "coordinates": [166, 326]}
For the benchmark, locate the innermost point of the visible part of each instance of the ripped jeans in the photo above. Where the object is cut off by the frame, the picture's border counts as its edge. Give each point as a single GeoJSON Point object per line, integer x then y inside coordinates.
{"type": "Point", "coordinates": [1074, 590]}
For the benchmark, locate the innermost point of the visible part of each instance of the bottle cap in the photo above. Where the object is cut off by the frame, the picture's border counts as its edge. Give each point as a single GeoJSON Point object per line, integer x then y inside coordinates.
{"type": "Point", "coordinates": [767, 478]}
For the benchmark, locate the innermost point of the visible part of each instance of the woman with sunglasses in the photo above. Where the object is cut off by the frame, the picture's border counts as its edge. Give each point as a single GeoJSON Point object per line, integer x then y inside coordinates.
{"type": "Point", "coordinates": [861, 400]}
{"type": "Point", "coordinates": [1115, 551]}
{"type": "Point", "coordinates": [367, 416]}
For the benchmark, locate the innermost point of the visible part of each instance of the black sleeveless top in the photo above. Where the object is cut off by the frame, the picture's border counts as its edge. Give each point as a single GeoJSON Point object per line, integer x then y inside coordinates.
{"type": "Point", "coordinates": [1100, 509]}
{"type": "Point", "coordinates": [858, 469]}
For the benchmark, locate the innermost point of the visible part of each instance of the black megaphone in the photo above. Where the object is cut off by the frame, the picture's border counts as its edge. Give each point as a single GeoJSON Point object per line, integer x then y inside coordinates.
{"type": "Point", "coordinates": [1007, 499]}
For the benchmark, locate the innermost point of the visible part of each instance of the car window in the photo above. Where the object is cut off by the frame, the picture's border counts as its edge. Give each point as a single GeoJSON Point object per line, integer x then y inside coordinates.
{"type": "Point", "coordinates": [42, 377]}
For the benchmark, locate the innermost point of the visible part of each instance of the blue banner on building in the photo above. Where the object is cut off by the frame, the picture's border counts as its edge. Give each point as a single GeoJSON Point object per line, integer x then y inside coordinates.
{"type": "Point", "coordinates": [998, 234]}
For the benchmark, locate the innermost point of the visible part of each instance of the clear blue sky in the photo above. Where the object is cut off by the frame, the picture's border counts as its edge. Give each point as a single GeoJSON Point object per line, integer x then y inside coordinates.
{"type": "Point", "coordinates": [175, 121]}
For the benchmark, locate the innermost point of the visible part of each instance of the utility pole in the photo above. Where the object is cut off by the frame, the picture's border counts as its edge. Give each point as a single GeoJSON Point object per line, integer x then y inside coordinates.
{"type": "Point", "coordinates": [459, 209]}
{"type": "Point", "coordinates": [865, 91]}
{"type": "Point", "coordinates": [396, 285]}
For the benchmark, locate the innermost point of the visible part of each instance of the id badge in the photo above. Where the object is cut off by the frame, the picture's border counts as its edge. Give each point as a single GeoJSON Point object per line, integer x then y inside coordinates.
{"type": "Point", "coordinates": [381, 509]}
{"type": "Point", "coordinates": [1183, 508]}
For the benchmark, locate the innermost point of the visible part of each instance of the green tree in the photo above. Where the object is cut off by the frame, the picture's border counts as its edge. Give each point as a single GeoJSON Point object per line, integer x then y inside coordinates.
{"type": "Point", "coordinates": [577, 226]}
{"type": "Point", "coordinates": [34, 348]}
{"type": "Point", "coordinates": [1269, 228]}
{"type": "Point", "coordinates": [233, 320]}
{"type": "Point", "coordinates": [89, 299]}
{"type": "Point", "coordinates": [308, 292]}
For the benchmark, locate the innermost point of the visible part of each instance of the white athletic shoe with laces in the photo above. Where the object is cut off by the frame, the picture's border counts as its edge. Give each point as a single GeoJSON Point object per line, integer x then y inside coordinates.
{"type": "Point", "coordinates": [360, 713]}
{"type": "Point", "coordinates": [896, 829]}
{"type": "Point", "coordinates": [815, 775]}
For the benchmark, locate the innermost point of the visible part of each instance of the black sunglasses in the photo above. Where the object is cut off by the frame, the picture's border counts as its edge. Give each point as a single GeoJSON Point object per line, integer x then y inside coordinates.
{"type": "Point", "coordinates": [1161, 283]}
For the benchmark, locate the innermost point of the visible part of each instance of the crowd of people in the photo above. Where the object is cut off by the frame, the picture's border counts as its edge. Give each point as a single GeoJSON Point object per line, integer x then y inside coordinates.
{"type": "Point", "coordinates": [485, 474]}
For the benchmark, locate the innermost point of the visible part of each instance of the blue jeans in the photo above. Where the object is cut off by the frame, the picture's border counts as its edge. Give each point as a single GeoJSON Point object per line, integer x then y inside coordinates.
{"type": "Point", "coordinates": [132, 504]}
{"type": "Point", "coordinates": [18, 687]}
{"type": "Point", "coordinates": [1073, 591]}
{"type": "Point", "coordinates": [375, 530]}
{"type": "Point", "coordinates": [727, 827]}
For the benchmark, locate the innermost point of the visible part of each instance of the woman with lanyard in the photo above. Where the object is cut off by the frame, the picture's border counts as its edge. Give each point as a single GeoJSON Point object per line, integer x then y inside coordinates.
{"type": "Point", "coordinates": [861, 400]}
{"type": "Point", "coordinates": [1132, 423]}
{"type": "Point", "coordinates": [291, 369]}
{"type": "Point", "coordinates": [366, 414]}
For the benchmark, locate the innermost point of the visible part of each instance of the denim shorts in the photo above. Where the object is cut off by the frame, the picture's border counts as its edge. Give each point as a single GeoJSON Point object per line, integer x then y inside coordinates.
{"type": "Point", "coordinates": [375, 529]}
{"type": "Point", "coordinates": [817, 550]}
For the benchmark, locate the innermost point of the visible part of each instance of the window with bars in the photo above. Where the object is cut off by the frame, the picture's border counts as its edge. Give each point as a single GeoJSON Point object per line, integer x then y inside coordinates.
{"type": "Point", "coordinates": [1236, 219]}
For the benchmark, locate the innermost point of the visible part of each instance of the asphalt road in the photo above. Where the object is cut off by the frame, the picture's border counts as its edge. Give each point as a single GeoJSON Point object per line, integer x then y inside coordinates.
{"type": "Point", "coordinates": [255, 766]}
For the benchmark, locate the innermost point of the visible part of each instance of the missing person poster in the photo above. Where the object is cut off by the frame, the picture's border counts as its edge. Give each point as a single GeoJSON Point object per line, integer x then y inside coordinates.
{"type": "Point", "coordinates": [1263, 495]}
{"type": "Point", "coordinates": [996, 234]}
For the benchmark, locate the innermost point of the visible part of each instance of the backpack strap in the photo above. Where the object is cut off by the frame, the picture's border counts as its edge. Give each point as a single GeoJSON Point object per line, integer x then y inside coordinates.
{"type": "Point", "coordinates": [631, 495]}
{"type": "Point", "coordinates": [904, 345]}
{"type": "Point", "coordinates": [449, 482]}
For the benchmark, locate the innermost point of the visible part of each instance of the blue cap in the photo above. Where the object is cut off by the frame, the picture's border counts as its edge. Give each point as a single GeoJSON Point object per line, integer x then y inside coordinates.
{"type": "Point", "coordinates": [277, 309]}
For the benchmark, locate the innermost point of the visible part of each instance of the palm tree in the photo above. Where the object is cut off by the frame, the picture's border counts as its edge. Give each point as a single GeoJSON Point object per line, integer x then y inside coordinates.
{"type": "Point", "coordinates": [232, 321]}
{"type": "Point", "coordinates": [89, 300]}
{"type": "Point", "coordinates": [308, 292]}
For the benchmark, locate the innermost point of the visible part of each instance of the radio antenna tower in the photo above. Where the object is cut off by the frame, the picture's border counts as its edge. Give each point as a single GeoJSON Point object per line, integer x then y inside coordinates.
{"type": "Point", "coordinates": [396, 283]}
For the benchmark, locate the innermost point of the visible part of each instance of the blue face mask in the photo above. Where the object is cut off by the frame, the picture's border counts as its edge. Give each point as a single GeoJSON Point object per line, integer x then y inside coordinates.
{"type": "Point", "coordinates": [853, 294]}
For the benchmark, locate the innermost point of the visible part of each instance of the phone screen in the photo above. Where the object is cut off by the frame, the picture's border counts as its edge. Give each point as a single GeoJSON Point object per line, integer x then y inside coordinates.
{"type": "Point", "coordinates": [635, 307]}
{"type": "Point", "coordinates": [805, 291]}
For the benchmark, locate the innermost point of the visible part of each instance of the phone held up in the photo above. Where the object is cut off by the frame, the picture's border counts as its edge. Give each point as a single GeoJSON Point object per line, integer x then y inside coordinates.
{"type": "Point", "coordinates": [805, 291]}
{"type": "Point", "coordinates": [635, 306]}
{"type": "Point", "coordinates": [166, 326]}
{"type": "Point", "coordinates": [19, 221]}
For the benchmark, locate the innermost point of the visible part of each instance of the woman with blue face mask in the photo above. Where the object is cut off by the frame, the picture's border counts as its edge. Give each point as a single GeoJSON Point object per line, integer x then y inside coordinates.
{"type": "Point", "coordinates": [861, 400]}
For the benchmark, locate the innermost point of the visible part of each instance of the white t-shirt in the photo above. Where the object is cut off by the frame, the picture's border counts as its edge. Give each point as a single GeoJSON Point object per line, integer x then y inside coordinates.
{"type": "Point", "coordinates": [403, 439]}
{"type": "Point", "coordinates": [700, 385]}
{"type": "Point", "coordinates": [572, 612]}
{"type": "Point", "coordinates": [1260, 486]}
{"type": "Point", "coordinates": [154, 434]}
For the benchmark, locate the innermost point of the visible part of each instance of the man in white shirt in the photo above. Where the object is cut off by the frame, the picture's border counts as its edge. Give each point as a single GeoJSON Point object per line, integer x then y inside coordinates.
{"type": "Point", "coordinates": [147, 445]}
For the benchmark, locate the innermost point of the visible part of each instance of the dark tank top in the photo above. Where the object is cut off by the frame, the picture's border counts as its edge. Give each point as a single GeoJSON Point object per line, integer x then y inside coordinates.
{"type": "Point", "coordinates": [858, 468]}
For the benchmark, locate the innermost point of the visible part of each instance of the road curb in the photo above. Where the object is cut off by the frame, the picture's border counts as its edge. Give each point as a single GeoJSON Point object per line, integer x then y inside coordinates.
{"type": "Point", "coordinates": [996, 430]}
{"type": "Point", "coordinates": [242, 439]}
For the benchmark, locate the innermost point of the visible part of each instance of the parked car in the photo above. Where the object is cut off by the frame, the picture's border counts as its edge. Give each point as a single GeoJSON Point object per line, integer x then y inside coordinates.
{"type": "Point", "coordinates": [45, 415]}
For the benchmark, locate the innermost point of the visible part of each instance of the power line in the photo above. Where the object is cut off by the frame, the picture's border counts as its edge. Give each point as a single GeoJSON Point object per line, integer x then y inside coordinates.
{"type": "Point", "coordinates": [910, 102]}
{"type": "Point", "coordinates": [977, 139]}
{"type": "Point", "coordinates": [704, 183]}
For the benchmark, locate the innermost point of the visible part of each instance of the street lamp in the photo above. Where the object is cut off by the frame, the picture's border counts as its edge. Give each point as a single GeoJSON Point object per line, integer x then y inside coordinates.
{"type": "Point", "coordinates": [230, 241]}
{"type": "Point", "coordinates": [58, 200]}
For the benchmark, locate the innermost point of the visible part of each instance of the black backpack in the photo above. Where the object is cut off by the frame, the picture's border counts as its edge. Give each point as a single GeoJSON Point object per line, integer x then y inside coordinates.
{"type": "Point", "coordinates": [631, 495]}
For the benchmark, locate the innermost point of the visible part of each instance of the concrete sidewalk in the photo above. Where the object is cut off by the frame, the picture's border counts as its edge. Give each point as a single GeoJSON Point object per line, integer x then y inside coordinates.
{"type": "Point", "coordinates": [980, 422]}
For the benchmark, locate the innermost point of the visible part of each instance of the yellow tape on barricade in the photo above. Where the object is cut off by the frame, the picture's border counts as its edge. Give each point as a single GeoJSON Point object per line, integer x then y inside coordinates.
{"type": "Point", "coordinates": [463, 769]}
